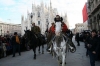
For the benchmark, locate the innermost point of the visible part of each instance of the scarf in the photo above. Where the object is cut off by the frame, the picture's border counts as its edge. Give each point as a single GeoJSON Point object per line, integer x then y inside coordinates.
{"type": "Point", "coordinates": [17, 40]}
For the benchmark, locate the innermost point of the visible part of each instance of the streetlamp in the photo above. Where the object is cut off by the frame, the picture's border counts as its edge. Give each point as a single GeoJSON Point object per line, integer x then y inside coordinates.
{"type": "Point", "coordinates": [47, 25]}
{"type": "Point", "coordinates": [31, 17]}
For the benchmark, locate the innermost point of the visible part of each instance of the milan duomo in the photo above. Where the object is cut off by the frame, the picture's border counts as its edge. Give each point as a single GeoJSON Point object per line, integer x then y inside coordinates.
{"type": "Point", "coordinates": [42, 16]}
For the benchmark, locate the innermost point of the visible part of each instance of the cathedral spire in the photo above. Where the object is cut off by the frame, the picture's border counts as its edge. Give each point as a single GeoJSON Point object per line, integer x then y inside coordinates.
{"type": "Point", "coordinates": [45, 5]}
{"type": "Point", "coordinates": [32, 5]}
{"type": "Point", "coordinates": [50, 4]}
{"type": "Point", "coordinates": [34, 2]}
{"type": "Point", "coordinates": [27, 12]}
{"type": "Point", "coordinates": [42, 2]}
{"type": "Point", "coordinates": [61, 14]}
{"type": "Point", "coordinates": [22, 18]}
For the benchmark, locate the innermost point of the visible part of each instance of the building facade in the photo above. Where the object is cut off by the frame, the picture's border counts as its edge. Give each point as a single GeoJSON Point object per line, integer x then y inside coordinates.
{"type": "Point", "coordinates": [93, 14]}
{"type": "Point", "coordinates": [8, 28]}
{"type": "Point", "coordinates": [79, 27]}
{"type": "Point", "coordinates": [42, 16]}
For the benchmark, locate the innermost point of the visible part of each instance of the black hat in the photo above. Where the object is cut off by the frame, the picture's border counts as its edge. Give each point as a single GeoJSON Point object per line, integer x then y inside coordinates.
{"type": "Point", "coordinates": [58, 17]}
{"type": "Point", "coordinates": [94, 31]}
{"type": "Point", "coordinates": [15, 33]}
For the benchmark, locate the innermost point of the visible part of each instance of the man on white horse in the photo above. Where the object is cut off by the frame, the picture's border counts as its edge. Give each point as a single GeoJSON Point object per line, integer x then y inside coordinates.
{"type": "Point", "coordinates": [60, 40]}
{"type": "Point", "coordinates": [64, 29]}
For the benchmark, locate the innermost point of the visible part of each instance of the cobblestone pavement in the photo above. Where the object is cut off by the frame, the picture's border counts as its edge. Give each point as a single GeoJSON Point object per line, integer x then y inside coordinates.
{"type": "Point", "coordinates": [26, 59]}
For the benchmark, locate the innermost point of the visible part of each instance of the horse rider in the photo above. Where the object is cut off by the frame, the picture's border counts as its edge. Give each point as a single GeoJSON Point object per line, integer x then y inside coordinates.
{"type": "Point", "coordinates": [52, 30]}
{"type": "Point", "coordinates": [51, 34]}
{"type": "Point", "coordinates": [66, 31]}
{"type": "Point", "coordinates": [64, 28]}
{"type": "Point", "coordinates": [36, 30]}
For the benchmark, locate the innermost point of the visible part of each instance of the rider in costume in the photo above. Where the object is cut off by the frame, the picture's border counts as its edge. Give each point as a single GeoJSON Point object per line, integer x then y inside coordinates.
{"type": "Point", "coordinates": [52, 30]}
{"type": "Point", "coordinates": [36, 30]}
{"type": "Point", "coordinates": [51, 34]}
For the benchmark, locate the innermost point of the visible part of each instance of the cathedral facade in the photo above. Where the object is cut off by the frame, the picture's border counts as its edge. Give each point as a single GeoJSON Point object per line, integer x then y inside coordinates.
{"type": "Point", "coordinates": [42, 16]}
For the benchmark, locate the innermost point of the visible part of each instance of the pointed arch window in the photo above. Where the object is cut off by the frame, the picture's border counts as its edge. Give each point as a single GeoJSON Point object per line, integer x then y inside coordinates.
{"type": "Point", "coordinates": [47, 20]}
{"type": "Point", "coordinates": [38, 22]}
{"type": "Point", "coordinates": [38, 14]}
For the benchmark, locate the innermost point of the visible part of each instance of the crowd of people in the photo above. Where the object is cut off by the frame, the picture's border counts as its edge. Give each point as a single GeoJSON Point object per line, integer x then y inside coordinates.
{"type": "Point", "coordinates": [92, 44]}
{"type": "Point", "coordinates": [9, 44]}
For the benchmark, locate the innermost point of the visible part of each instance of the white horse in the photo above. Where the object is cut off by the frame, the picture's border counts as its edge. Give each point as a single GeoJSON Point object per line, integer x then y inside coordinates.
{"type": "Point", "coordinates": [59, 44]}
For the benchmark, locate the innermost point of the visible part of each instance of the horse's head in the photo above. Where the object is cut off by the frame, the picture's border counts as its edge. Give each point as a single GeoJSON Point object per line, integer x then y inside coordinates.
{"type": "Point", "coordinates": [27, 33]}
{"type": "Point", "coordinates": [58, 28]}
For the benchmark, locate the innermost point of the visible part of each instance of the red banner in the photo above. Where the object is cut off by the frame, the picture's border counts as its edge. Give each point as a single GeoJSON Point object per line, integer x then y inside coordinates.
{"type": "Point", "coordinates": [84, 13]}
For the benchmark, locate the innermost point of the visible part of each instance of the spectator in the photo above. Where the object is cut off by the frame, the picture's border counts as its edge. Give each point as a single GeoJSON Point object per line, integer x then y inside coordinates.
{"type": "Point", "coordinates": [15, 44]}
{"type": "Point", "coordinates": [98, 53]}
{"type": "Point", "coordinates": [1, 48]}
{"type": "Point", "coordinates": [77, 39]}
{"type": "Point", "coordinates": [85, 41]}
{"type": "Point", "coordinates": [92, 46]}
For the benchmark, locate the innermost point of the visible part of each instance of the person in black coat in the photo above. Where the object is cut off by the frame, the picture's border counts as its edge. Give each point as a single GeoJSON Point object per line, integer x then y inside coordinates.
{"type": "Point", "coordinates": [15, 43]}
{"type": "Point", "coordinates": [98, 52]}
{"type": "Point", "coordinates": [77, 38]}
{"type": "Point", "coordinates": [85, 41]}
{"type": "Point", "coordinates": [92, 46]}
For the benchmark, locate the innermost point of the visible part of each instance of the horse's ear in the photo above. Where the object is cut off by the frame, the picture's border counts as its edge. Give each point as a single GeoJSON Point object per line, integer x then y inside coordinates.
{"type": "Point", "coordinates": [55, 19]}
{"type": "Point", "coordinates": [61, 19]}
{"type": "Point", "coordinates": [24, 31]}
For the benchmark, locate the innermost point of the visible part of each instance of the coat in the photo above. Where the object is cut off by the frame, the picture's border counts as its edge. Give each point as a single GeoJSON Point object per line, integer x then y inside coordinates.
{"type": "Point", "coordinates": [52, 29]}
{"type": "Point", "coordinates": [77, 38]}
{"type": "Point", "coordinates": [13, 40]}
{"type": "Point", "coordinates": [36, 30]}
{"type": "Point", "coordinates": [93, 43]}
{"type": "Point", "coordinates": [64, 28]}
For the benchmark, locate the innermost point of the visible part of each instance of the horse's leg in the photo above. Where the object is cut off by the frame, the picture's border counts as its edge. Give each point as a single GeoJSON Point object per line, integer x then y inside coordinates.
{"type": "Point", "coordinates": [59, 61]}
{"type": "Point", "coordinates": [63, 59]}
{"type": "Point", "coordinates": [52, 51]}
{"type": "Point", "coordinates": [34, 50]}
{"type": "Point", "coordinates": [42, 49]}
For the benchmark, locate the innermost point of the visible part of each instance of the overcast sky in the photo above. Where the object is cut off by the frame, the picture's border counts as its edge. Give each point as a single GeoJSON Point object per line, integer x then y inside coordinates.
{"type": "Point", "coordinates": [11, 10]}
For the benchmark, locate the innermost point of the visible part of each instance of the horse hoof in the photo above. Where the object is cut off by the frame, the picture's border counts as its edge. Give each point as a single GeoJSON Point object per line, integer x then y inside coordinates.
{"type": "Point", "coordinates": [42, 52]}
{"type": "Point", "coordinates": [34, 58]}
{"type": "Point", "coordinates": [39, 52]}
{"type": "Point", "coordinates": [61, 62]}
